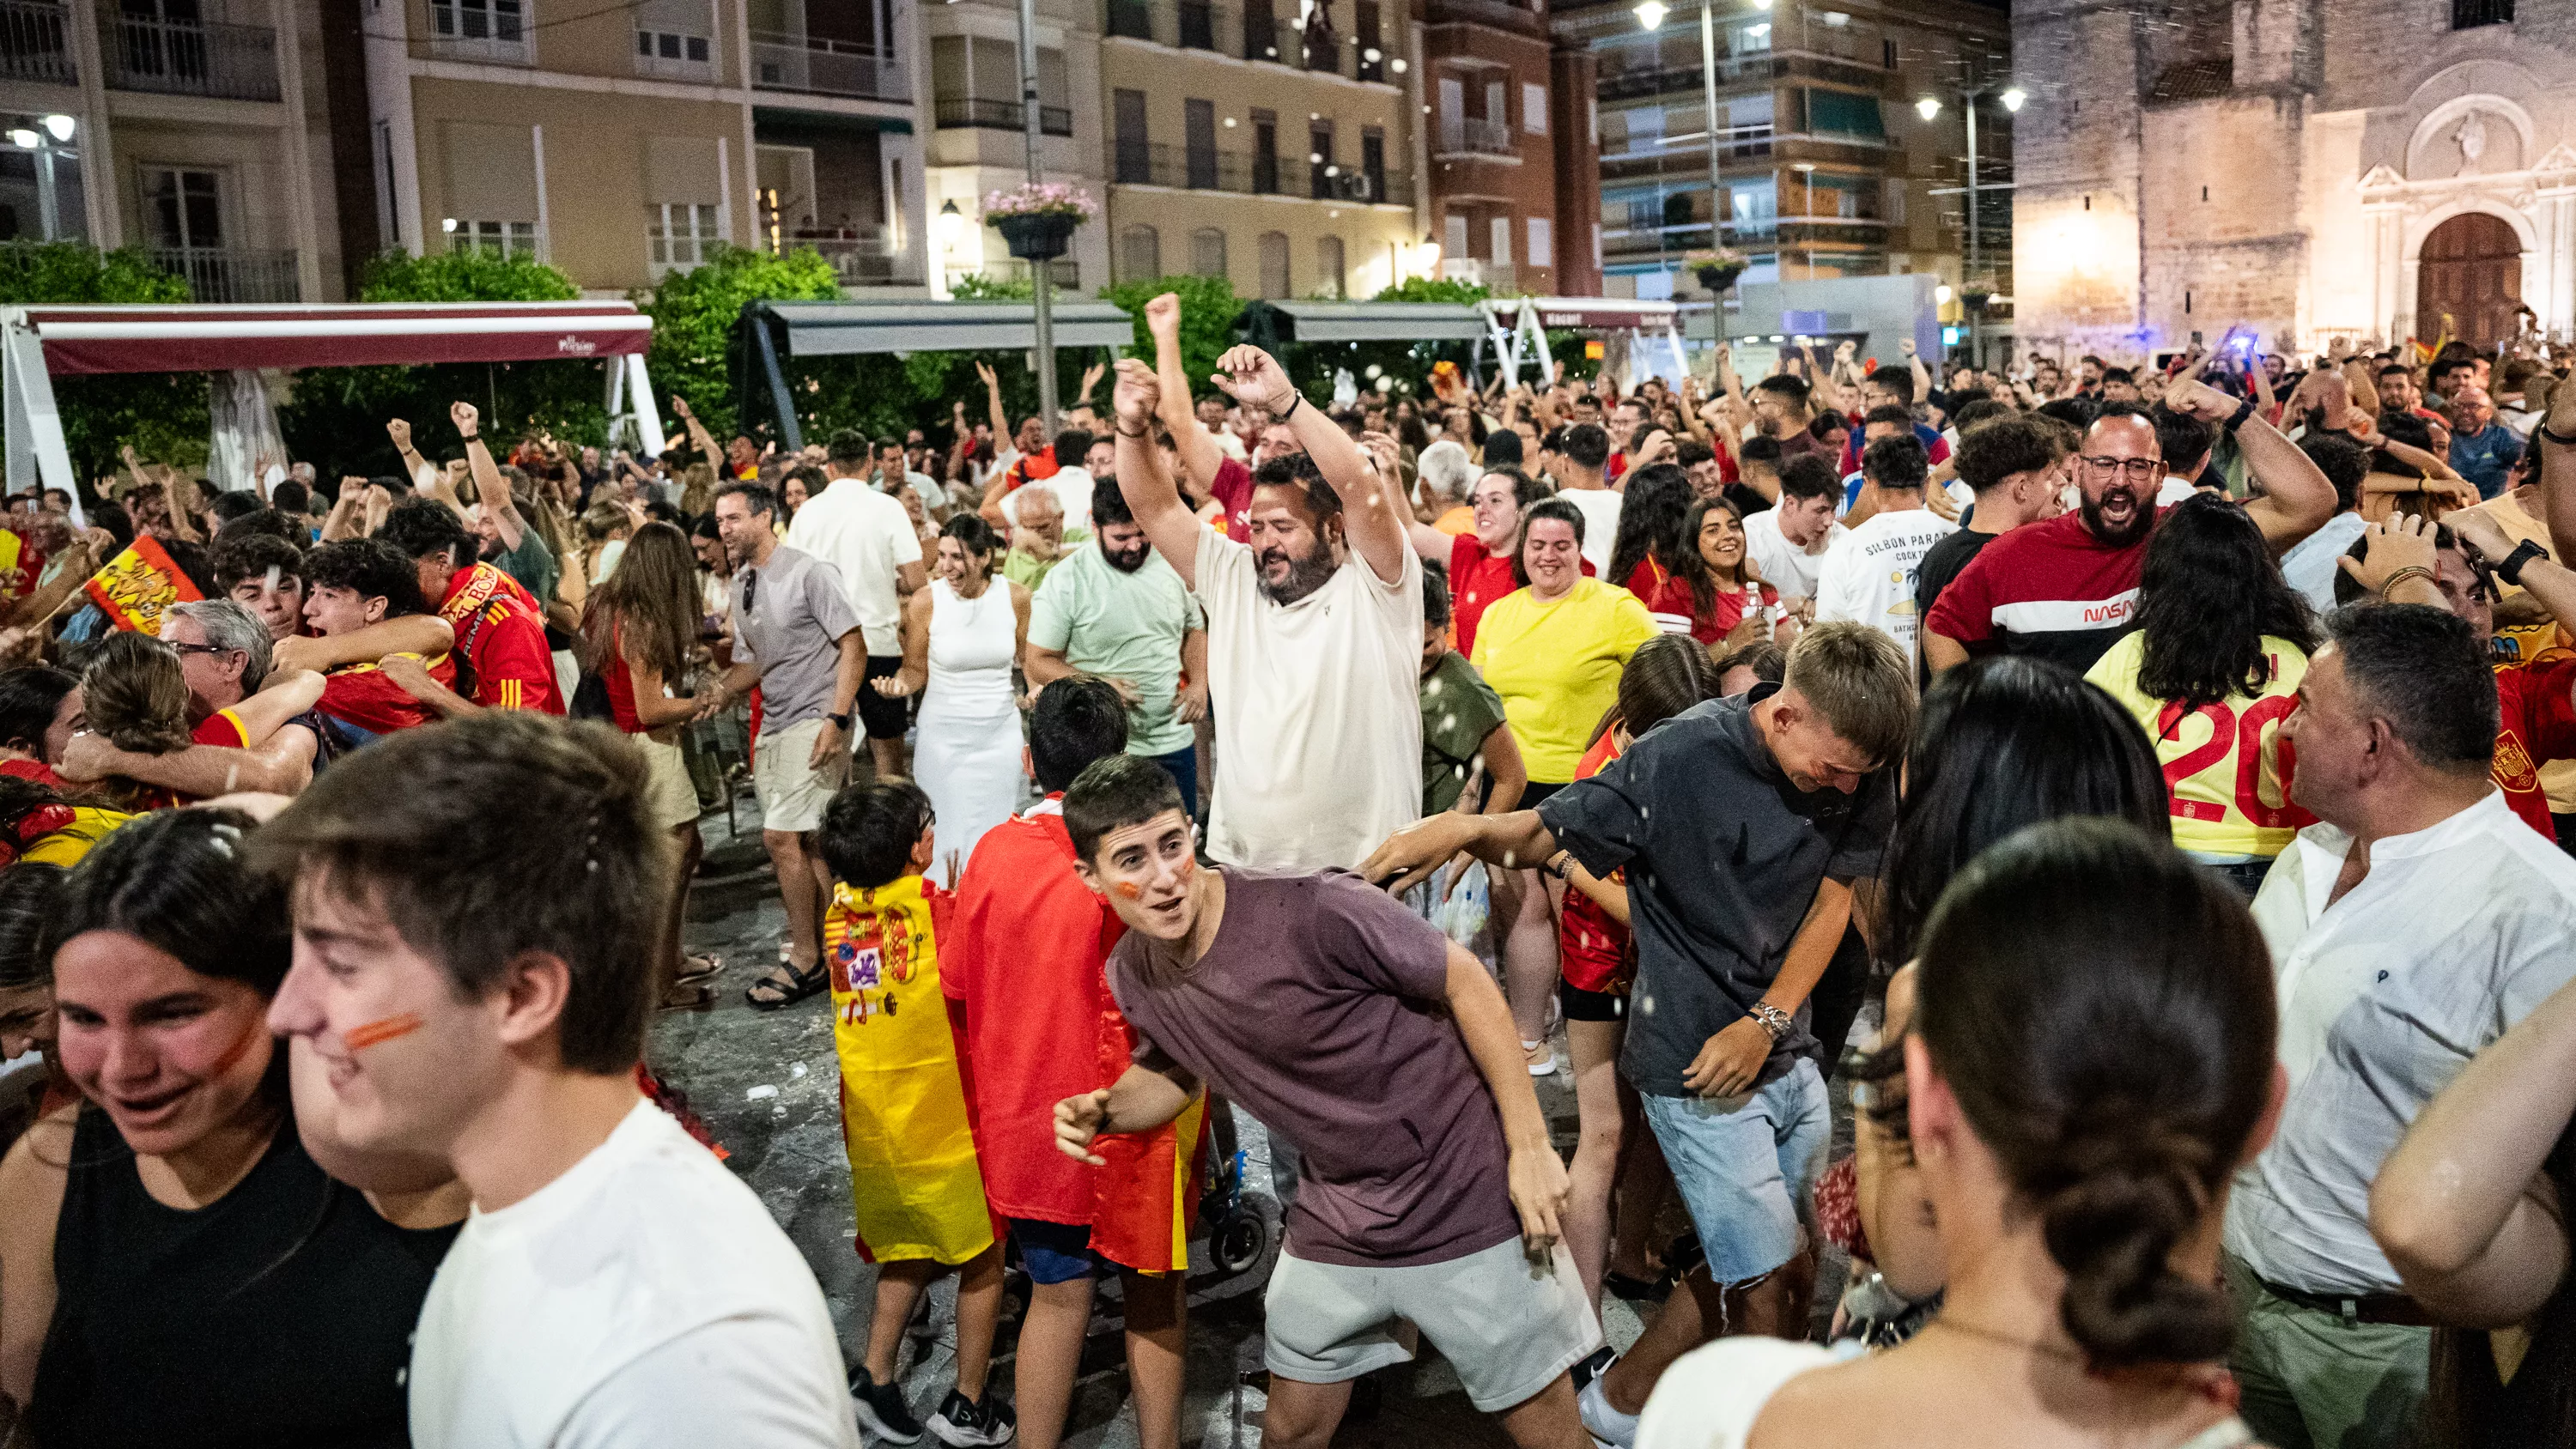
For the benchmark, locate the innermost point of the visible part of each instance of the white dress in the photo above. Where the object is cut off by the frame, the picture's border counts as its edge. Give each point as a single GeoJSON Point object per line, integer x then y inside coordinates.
{"type": "Point", "coordinates": [967, 756]}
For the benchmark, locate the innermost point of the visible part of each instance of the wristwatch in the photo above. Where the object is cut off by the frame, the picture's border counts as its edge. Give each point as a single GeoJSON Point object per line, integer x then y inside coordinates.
{"type": "Point", "coordinates": [2511, 569]}
{"type": "Point", "coordinates": [2244, 410]}
{"type": "Point", "coordinates": [840, 720]}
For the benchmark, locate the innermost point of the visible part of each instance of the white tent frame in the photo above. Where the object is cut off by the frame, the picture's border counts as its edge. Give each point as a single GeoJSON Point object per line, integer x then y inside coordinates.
{"type": "Point", "coordinates": [1526, 333]}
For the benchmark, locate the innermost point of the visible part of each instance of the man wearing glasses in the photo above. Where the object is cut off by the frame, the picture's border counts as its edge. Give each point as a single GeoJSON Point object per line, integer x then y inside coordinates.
{"type": "Point", "coordinates": [2067, 589]}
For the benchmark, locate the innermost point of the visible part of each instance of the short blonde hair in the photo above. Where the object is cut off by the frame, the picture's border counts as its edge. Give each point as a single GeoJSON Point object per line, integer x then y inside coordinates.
{"type": "Point", "coordinates": [1859, 682]}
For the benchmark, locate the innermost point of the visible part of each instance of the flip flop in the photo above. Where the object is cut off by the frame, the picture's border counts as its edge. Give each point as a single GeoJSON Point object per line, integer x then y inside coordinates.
{"type": "Point", "coordinates": [698, 968]}
{"type": "Point", "coordinates": [788, 988]}
{"type": "Point", "coordinates": [689, 996]}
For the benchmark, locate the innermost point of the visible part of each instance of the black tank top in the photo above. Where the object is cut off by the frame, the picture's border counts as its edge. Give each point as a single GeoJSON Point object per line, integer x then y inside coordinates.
{"type": "Point", "coordinates": [279, 1315]}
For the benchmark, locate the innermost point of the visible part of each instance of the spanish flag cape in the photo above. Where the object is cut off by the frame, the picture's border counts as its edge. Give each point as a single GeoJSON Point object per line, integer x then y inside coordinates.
{"type": "Point", "coordinates": [135, 586]}
{"type": "Point", "coordinates": [914, 1181]}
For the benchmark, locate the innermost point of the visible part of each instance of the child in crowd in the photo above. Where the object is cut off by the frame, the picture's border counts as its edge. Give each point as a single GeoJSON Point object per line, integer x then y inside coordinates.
{"type": "Point", "coordinates": [914, 1181]}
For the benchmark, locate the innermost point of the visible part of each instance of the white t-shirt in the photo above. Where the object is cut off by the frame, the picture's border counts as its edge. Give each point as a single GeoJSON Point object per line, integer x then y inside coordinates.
{"type": "Point", "coordinates": [1712, 1395]}
{"type": "Point", "coordinates": [1072, 489]}
{"type": "Point", "coordinates": [866, 535]}
{"type": "Point", "coordinates": [1868, 573]}
{"type": "Point", "coordinates": [1784, 565]}
{"type": "Point", "coordinates": [1318, 714]}
{"type": "Point", "coordinates": [1600, 522]}
{"type": "Point", "coordinates": [643, 1300]}
{"type": "Point", "coordinates": [2173, 490]}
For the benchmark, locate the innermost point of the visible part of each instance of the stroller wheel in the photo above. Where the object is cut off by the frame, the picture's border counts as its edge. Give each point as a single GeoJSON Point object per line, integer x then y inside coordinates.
{"type": "Point", "coordinates": [1237, 1240]}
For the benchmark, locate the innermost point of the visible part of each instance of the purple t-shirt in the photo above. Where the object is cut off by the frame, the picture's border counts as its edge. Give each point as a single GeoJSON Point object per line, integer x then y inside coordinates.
{"type": "Point", "coordinates": [1320, 1007]}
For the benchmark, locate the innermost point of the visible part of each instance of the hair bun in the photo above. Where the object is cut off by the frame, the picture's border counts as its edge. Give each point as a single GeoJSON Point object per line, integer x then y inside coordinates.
{"type": "Point", "coordinates": [2113, 1227]}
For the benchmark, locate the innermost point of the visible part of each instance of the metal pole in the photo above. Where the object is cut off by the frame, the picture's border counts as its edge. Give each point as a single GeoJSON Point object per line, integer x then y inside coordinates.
{"type": "Point", "coordinates": [1708, 90]}
{"type": "Point", "coordinates": [1974, 278]}
{"type": "Point", "coordinates": [1040, 282]}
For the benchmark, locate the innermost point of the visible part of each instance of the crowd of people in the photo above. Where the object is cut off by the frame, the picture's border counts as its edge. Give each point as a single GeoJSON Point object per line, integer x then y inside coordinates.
{"type": "Point", "coordinates": [2137, 801]}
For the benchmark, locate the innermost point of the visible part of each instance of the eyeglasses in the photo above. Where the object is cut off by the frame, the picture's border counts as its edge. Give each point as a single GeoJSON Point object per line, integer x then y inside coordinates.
{"type": "Point", "coordinates": [2141, 468]}
{"type": "Point", "coordinates": [197, 648]}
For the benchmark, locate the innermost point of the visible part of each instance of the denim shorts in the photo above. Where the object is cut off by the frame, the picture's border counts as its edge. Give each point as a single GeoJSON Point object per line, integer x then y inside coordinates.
{"type": "Point", "coordinates": [1054, 1252]}
{"type": "Point", "coordinates": [1745, 1166]}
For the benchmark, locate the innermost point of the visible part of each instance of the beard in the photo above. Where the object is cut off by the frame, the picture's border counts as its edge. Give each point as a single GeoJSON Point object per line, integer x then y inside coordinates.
{"type": "Point", "coordinates": [1305, 574]}
{"type": "Point", "coordinates": [2142, 516]}
{"type": "Point", "coordinates": [1127, 560]}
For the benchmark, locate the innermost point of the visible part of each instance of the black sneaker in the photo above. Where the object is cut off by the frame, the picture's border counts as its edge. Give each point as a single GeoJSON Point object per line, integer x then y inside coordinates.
{"type": "Point", "coordinates": [882, 1411]}
{"type": "Point", "coordinates": [969, 1425]}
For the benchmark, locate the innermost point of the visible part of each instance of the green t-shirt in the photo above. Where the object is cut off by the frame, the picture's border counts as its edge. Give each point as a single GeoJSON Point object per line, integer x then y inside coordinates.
{"type": "Point", "coordinates": [533, 565]}
{"type": "Point", "coordinates": [1130, 625]}
{"type": "Point", "coordinates": [1029, 571]}
{"type": "Point", "coordinates": [1458, 710]}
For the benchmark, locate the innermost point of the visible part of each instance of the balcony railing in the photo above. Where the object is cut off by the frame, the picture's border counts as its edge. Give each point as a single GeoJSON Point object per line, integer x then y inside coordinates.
{"type": "Point", "coordinates": [1142, 163]}
{"type": "Point", "coordinates": [1474, 136]}
{"type": "Point", "coordinates": [193, 58]}
{"type": "Point", "coordinates": [33, 44]}
{"type": "Point", "coordinates": [860, 258]}
{"type": "Point", "coordinates": [223, 274]}
{"type": "Point", "coordinates": [954, 112]}
{"type": "Point", "coordinates": [826, 68]}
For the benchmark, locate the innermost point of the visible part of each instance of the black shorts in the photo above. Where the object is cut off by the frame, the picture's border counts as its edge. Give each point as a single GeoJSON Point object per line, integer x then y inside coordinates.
{"type": "Point", "coordinates": [1578, 1004]}
{"type": "Point", "coordinates": [882, 717]}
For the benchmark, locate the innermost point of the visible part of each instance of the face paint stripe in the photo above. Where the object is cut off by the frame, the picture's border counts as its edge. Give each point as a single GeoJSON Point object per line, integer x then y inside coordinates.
{"type": "Point", "coordinates": [377, 1033]}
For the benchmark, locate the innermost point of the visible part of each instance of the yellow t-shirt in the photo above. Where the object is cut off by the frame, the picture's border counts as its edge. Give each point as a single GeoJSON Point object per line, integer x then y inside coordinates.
{"type": "Point", "coordinates": [2226, 766]}
{"type": "Point", "coordinates": [66, 846]}
{"type": "Point", "coordinates": [1557, 667]}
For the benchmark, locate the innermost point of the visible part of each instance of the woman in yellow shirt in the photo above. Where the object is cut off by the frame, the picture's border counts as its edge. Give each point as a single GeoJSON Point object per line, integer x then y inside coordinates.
{"type": "Point", "coordinates": [1553, 650]}
{"type": "Point", "coordinates": [2211, 672]}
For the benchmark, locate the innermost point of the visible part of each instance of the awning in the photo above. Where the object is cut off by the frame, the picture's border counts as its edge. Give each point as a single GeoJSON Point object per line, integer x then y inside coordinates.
{"type": "Point", "coordinates": [216, 338]}
{"type": "Point", "coordinates": [837, 329]}
{"type": "Point", "coordinates": [1604, 314]}
{"type": "Point", "coordinates": [1370, 321]}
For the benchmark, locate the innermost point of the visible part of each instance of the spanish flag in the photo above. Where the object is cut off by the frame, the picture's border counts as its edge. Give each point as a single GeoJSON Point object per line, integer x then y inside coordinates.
{"type": "Point", "coordinates": [137, 585]}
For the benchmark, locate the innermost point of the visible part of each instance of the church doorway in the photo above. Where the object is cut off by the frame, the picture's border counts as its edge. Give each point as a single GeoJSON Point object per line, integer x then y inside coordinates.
{"type": "Point", "coordinates": [2472, 276]}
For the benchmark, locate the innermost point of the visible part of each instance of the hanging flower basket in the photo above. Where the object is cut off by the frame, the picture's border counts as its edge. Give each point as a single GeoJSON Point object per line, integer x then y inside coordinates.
{"type": "Point", "coordinates": [1717, 270]}
{"type": "Point", "coordinates": [1038, 219]}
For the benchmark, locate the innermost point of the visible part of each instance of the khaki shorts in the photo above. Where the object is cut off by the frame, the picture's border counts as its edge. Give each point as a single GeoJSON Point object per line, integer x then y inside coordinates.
{"type": "Point", "coordinates": [792, 793]}
{"type": "Point", "coordinates": [669, 797]}
{"type": "Point", "coordinates": [1507, 1325]}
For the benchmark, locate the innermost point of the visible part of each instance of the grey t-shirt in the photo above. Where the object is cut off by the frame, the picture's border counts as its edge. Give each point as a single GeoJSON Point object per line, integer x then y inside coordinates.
{"type": "Point", "coordinates": [788, 618]}
{"type": "Point", "coordinates": [1321, 1007]}
{"type": "Point", "coordinates": [1724, 856]}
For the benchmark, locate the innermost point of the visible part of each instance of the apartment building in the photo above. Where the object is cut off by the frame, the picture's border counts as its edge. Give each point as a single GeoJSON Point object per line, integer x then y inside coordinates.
{"type": "Point", "coordinates": [978, 137]}
{"type": "Point", "coordinates": [621, 142]}
{"type": "Point", "coordinates": [1271, 142]}
{"type": "Point", "coordinates": [195, 129]}
{"type": "Point", "coordinates": [1828, 165]}
{"type": "Point", "coordinates": [1514, 182]}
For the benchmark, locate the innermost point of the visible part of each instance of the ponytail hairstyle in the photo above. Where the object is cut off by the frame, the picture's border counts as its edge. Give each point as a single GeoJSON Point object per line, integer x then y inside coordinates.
{"type": "Point", "coordinates": [2102, 1009]}
{"type": "Point", "coordinates": [1668, 674]}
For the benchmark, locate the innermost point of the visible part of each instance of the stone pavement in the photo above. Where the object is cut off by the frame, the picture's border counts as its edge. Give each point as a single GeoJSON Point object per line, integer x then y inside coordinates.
{"type": "Point", "coordinates": [766, 1085]}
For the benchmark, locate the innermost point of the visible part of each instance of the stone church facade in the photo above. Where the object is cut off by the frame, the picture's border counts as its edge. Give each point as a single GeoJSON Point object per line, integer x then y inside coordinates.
{"type": "Point", "coordinates": [2311, 168]}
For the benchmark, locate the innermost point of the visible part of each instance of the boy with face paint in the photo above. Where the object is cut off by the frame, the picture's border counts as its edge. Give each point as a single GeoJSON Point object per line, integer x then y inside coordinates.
{"type": "Point", "coordinates": [1385, 1054]}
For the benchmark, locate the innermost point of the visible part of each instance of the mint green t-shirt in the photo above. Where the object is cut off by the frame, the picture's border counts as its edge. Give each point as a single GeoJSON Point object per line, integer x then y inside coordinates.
{"type": "Point", "coordinates": [1112, 623]}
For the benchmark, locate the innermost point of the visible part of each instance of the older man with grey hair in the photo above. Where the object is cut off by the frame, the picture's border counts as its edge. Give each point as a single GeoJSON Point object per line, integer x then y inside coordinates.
{"type": "Point", "coordinates": [248, 726]}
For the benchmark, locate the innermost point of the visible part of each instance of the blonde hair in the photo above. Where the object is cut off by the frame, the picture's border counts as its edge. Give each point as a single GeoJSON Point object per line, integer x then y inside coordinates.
{"type": "Point", "coordinates": [1860, 684]}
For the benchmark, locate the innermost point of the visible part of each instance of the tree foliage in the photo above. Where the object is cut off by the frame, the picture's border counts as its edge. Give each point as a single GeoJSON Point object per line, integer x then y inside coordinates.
{"type": "Point", "coordinates": [163, 414]}
{"type": "Point", "coordinates": [1208, 310]}
{"type": "Point", "coordinates": [697, 346]}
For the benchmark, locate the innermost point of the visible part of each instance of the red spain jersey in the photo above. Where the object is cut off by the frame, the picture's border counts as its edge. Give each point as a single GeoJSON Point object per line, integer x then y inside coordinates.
{"type": "Point", "coordinates": [500, 641]}
{"type": "Point", "coordinates": [359, 695]}
{"type": "Point", "coordinates": [2538, 703]}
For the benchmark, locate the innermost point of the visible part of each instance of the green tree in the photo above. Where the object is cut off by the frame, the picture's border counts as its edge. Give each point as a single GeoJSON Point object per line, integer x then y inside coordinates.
{"type": "Point", "coordinates": [1208, 310]}
{"type": "Point", "coordinates": [163, 414]}
{"type": "Point", "coordinates": [1434, 289]}
{"type": "Point", "coordinates": [697, 345]}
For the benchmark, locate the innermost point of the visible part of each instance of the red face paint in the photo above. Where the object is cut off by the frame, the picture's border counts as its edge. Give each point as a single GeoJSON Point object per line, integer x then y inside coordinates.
{"type": "Point", "coordinates": [233, 1054]}
{"type": "Point", "coordinates": [377, 1033]}
{"type": "Point", "coordinates": [1126, 890]}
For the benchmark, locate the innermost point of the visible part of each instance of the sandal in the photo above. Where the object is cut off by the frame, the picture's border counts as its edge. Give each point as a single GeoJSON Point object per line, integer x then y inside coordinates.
{"type": "Point", "coordinates": [787, 986]}
{"type": "Point", "coordinates": [698, 995]}
{"type": "Point", "coordinates": [697, 968]}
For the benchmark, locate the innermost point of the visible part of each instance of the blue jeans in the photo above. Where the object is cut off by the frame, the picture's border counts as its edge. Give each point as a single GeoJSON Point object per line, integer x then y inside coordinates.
{"type": "Point", "coordinates": [1183, 766]}
{"type": "Point", "coordinates": [1745, 1166]}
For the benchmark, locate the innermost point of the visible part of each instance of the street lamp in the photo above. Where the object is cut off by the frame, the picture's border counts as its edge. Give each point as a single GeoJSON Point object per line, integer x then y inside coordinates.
{"type": "Point", "coordinates": [1650, 15]}
{"type": "Point", "coordinates": [2012, 98]}
{"type": "Point", "coordinates": [1975, 290]}
{"type": "Point", "coordinates": [1928, 107]}
{"type": "Point", "coordinates": [49, 138]}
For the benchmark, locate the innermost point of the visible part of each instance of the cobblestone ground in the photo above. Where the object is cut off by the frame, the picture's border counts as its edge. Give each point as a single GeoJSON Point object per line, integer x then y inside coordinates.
{"type": "Point", "coordinates": [766, 1085]}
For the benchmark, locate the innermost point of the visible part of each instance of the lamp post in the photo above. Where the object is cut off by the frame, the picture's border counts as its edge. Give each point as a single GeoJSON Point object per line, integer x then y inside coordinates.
{"type": "Point", "coordinates": [49, 139]}
{"type": "Point", "coordinates": [1041, 279]}
{"type": "Point", "coordinates": [1650, 15]}
{"type": "Point", "coordinates": [1974, 287]}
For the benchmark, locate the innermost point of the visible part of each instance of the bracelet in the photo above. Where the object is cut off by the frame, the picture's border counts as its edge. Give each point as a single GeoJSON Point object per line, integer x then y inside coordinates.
{"type": "Point", "coordinates": [2244, 410]}
{"type": "Point", "coordinates": [2561, 439]}
{"type": "Point", "coordinates": [1294, 398]}
{"type": "Point", "coordinates": [1555, 864]}
{"type": "Point", "coordinates": [2511, 569]}
{"type": "Point", "coordinates": [2401, 575]}
{"type": "Point", "coordinates": [1122, 432]}
{"type": "Point", "coordinates": [1771, 1019]}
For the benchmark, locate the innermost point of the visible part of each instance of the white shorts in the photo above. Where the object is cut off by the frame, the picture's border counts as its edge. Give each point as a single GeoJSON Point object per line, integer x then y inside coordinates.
{"type": "Point", "coordinates": [669, 796]}
{"type": "Point", "coordinates": [1507, 1325]}
{"type": "Point", "coordinates": [793, 793]}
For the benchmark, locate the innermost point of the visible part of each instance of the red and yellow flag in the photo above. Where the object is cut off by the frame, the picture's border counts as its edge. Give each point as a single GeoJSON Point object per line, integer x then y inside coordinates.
{"type": "Point", "coordinates": [138, 584]}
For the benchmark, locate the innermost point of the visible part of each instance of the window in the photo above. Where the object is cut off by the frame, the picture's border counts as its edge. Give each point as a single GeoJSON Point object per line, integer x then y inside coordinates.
{"type": "Point", "coordinates": [1495, 109]}
{"type": "Point", "coordinates": [490, 29]}
{"type": "Point", "coordinates": [1453, 236]}
{"type": "Point", "coordinates": [1319, 159]}
{"type": "Point", "coordinates": [1330, 281]}
{"type": "Point", "coordinates": [1371, 43]}
{"type": "Point", "coordinates": [1198, 136]}
{"type": "Point", "coordinates": [1207, 252]}
{"type": "Point", "coordinates": [183, 208]}
{"type": "Point", "coordinates": [1887, 54]}
{"type": "Point", "coordinates": [1744, 38]}
{"type": "Point", "coordinates": [1135, 159]}
{"type": "Point", "coordinates": [682, 233]}
{"type": "Point", "coordinates": [501, 238]}
{"type": "Point", "coordinates": [1274, 266]}
{"type": "Point", "coordinates": [1542, 242]}
{"type": "Point", "coordinates": [1502, 236]}
{"type": "Point", "coordinates": [1265, 153]}
{"type": "Point", "coordinates": [1533, 109]}
{"type": "Point", "coordinates": [1842, 113]}
{"type": "Point", "coordinates": [1140, 254]}
{"type": "Point", "coordinates": [2469, 14]}
{"type": "Point", "coordinates": [671, 53]}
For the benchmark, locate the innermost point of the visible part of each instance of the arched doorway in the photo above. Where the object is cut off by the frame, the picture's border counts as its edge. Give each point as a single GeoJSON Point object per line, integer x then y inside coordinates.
{"type": "Point", "coordinates": [2471, 272]}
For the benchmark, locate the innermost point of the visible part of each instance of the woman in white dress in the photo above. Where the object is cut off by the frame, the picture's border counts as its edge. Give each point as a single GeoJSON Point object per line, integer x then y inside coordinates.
{"type": "Point", "coordinates": [2091, 1061]}
{"type": "Point", "coordinates": [961, 637]}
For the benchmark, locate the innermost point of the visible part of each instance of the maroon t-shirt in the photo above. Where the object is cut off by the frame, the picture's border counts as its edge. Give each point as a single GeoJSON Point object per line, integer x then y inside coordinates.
{"type": "Point", "coordinates": [1319, 1007]}
{"type": "Point", "coordinates": [1233, 490]}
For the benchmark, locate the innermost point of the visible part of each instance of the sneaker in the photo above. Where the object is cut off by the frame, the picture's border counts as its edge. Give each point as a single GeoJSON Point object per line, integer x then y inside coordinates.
{"type": "Point", "coordinates": [1608, 1427]}
{"type": "Point", "coordinates": [1592, 1368]}
{"type": "Point", "coordinates": [882, 1411]}
{"type": "Point", "coordinates": [969, 1425]}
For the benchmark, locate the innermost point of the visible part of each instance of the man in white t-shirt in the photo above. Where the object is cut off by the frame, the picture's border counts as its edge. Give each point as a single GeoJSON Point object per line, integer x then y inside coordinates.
{"type": "Point", "coordinates": [477, 909]}
{"type": "Point", "coordinates": [866, 534]}
{"type": "Point", "coordinates": [1868, 573]}
{"type": "Point", "coordinates": [1314, 628]}
{"type": "Point", "coordinates": [893, 473]}
{"type": "Point", "coordinates": [1787, 541]}
{"type": "Point", "coordinates": [1579, 481]}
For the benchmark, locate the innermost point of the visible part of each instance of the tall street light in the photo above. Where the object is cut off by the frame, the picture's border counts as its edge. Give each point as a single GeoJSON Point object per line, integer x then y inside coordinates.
{"type": "Point", "coordinates": [1651, 15]}
{"type": "Point", "coordinates": [1973, 287]}
{"type": "Point", "coordinates": [1041, 275]}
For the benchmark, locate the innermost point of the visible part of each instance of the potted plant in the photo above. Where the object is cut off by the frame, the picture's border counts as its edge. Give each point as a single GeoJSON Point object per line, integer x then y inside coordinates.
{"type": "Point", "coordinates": [1717, 267]}
{"type": "Point", "coordinates": [1038, 219]}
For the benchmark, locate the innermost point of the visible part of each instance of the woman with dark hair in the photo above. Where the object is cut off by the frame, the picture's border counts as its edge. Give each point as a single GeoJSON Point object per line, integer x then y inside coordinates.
{"type": "Point", "coordinates": [212, 1283]}
{"type": "Point", "coordinates": [2210, 673]}
{"type": "Point", "coordinates": [1667, 675]}
{"type": "Point", "coordinates": [962, 636]}
{"type": "Point", "coordinates": [1652, 557]}
{"type": "Point", "coordinates": [39, 707]}
{"type": "Point", "coordinates": [135, 695]}
{"type": "Point", "coordinates": [2092, 1061]}
{"type": "Point", "coordinates": [1729, 602]}
{"type": "Point", "coordinates": [27, 897]}
{"type": "Point", "coordinates": [1554, 651]}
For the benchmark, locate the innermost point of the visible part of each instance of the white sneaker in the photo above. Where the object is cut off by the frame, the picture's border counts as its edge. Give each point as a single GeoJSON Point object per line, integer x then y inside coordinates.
{"type": "Point", "coordinates": [1545, 1067]}
{"type": "Point", "coordinates": [1608, 1427]}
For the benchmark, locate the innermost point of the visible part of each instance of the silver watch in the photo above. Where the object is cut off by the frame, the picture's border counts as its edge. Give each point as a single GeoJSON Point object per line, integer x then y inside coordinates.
{"type": "Point", "coordinates": [1771, 1019]}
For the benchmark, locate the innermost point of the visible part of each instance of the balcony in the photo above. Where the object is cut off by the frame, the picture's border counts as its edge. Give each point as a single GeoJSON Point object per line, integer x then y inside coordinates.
{"type": "Point", "coordinates": [193, 58]}
{"type": "Point", "coordinates": [33, 44]}
{"type": "Point", "coordinates": [1473, 136]}
{"type": "Point", "coordinates": [1493, 276]}
{"type": "Point", "coordinates": [862, 257]}
{"type": "Point", "coordinates": [1142, 163]}
{"type": "Point", "coordinates": [226, 274]}
{"type": "Point", "coordinates": [826, 68]}
{"type": "Point", "coordinates": [955, 112]}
